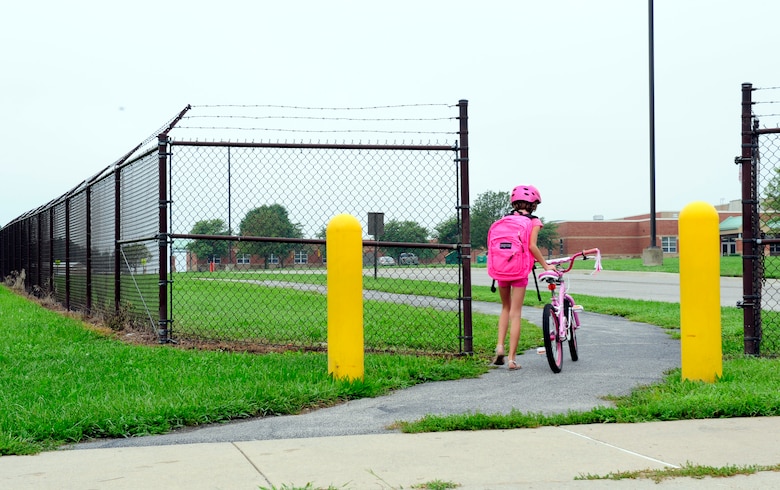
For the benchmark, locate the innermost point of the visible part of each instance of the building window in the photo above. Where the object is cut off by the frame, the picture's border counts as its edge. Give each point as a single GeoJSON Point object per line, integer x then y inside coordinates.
{"type": "Point", "coordinates": [242, 258]}
{"type": "Point", "coordinates": [215, 259]}
{"type": "Point", "coordinates": [301, 257]}
{"type": "Point", "coordinates": [669, 244]}
{"type": "Point", "coordinates": [273, 259]}
{"type": "Point", "coordinates": [728, 246]}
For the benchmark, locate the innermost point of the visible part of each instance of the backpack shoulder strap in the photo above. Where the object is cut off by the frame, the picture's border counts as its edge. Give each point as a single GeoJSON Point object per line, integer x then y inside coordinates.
{"type": "Point", "coordinates": [515, 213]}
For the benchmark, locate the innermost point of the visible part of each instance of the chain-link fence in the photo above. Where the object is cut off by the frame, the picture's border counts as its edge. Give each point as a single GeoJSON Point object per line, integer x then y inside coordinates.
{"type": "Point", "coordinates": [760, 174]}
{"type": "Point", "coordinates": [224, 241]}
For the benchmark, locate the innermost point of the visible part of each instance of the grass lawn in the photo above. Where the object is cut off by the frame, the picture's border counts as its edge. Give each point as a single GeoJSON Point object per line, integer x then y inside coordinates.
{"type": "Point", "coordinates": [64, 381]}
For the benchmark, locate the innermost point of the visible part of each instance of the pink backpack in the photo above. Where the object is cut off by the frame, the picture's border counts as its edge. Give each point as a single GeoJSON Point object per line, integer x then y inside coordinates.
{"type": "Point", "coordinates": [508, 256]}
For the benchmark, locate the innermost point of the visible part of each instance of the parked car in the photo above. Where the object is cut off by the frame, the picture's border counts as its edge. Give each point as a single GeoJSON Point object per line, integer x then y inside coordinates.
{"type": "Point", "coordinates": [408, 258]}
{"type": "Point", "coordinates": [386, 260]}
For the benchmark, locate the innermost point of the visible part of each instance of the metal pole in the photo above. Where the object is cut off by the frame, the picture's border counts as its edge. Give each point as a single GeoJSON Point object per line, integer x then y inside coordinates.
{"type": "Point", "coordinates": [117, 237]}
{"type": "Point", "coordinates": [751, 301]}
{"type": "Point", "coordinates": [67, 253]}
{"type": "Point", "coordinates": [465, 241]}
{"type": "Point", "coordinates": [50, 289]}
{"type": "Point", "coordinates": [39, 249]}
{"type": "Point", "coordinates": [162, 238]}
{"type": "Point", "coordinates": [230, 208]}
{"type": "Point", "coordinates": [88, 191]}
{"type": "Point", "coordinates": [651, 70]}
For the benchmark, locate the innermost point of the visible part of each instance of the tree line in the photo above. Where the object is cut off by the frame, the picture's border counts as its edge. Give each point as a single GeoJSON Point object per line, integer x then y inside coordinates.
{"type": "Point", "coordinates": [273, 221]}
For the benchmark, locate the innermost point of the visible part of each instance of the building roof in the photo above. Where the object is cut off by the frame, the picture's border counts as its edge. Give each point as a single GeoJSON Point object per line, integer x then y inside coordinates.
{"type": "Point", "coordinates": [731, 223]}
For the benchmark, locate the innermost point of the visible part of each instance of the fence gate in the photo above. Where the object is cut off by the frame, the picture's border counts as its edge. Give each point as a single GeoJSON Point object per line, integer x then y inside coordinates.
{"type": "Point", "coordinates": [760, 175]}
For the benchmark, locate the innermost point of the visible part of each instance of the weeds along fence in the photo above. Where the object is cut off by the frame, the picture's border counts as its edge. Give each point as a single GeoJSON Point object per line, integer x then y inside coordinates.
{"type": "Point", "coordinates": [760, 175]}
{"type": "Point", "coordinates": [215, 240]}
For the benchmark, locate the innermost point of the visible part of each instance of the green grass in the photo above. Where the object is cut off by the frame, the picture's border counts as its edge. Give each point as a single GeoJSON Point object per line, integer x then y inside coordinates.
{"type": "Point", "coordinates": [747, 388]}
{"type": "Point", "coordinates": [687, 470]}
{"type": "Point", "coordinates": [65, 382]}
{"type": "Point", "coordinates": [298, 317]}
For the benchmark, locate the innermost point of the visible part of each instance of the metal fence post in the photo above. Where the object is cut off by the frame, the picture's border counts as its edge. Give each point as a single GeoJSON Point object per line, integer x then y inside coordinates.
{"type": "Point", "coordinates": [3, 253]}
{"type": "Point", "coordinates": [162, 238]}
{"type": "Point", "coordinates": [51, 250]}
{"type": "Point", "coordinates": [117, 236]}
{"type": "Point", "coordinates": [39, 249]}
{"type": "Point", "coordinates": [751, 301]}
{"type": "Point", "coordinates": [67, 253]}
{"type": "Point", "coordinates": [465, 241]}
{"type": "Point", "coordinates": [27, 252]}
{"type": "Point", "coordinates": [88, 196]}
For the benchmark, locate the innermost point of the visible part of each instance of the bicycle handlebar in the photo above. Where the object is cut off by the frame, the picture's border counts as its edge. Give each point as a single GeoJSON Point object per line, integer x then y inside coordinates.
{"type": "Point", "coordinates": [571, 259]}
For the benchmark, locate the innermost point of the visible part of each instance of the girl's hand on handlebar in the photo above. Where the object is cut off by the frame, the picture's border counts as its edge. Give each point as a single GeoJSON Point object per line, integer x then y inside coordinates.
{"type": "Point", "coordinates": [550, 267]}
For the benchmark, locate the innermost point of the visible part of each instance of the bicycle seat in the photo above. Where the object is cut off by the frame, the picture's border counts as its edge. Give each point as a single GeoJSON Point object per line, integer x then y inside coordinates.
{"type": "Point", "coordinates": [549, 276]}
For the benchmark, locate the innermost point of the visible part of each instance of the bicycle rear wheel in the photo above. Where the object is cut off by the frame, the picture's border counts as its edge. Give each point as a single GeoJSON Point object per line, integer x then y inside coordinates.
{"type": "Point", "coordinates": [553, 346]}
{"type": "Point", "coordinates": [568, 311]}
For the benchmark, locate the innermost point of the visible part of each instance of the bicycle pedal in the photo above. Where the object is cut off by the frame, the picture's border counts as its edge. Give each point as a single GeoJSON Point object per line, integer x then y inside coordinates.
{"type": "Point", "coordinates": [577, 308]}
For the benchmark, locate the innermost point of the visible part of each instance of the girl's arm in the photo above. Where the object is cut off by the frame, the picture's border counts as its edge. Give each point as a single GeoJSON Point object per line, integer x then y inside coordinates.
{"type": "Point", "coordinates": [535, 250]}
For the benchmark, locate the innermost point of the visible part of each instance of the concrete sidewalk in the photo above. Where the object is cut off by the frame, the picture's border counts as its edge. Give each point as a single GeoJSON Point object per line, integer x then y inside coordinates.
{"type": "Point", "coordinates": [547, 457]}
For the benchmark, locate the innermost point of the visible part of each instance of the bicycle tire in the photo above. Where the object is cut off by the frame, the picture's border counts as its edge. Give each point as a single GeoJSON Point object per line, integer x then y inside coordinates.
{"type": "Point", "coordinates": [553, 346]}
{"type": "Point", "coordinates": [567, 310]}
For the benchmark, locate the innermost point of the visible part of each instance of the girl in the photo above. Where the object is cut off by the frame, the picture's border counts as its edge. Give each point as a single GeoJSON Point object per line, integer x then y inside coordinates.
{"type": "Point", "coordinates": [524, 200]}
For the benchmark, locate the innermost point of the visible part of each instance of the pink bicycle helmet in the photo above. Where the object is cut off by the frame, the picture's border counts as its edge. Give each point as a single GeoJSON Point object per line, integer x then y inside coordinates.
{"type": "Point", "coordinates": [527, 193]}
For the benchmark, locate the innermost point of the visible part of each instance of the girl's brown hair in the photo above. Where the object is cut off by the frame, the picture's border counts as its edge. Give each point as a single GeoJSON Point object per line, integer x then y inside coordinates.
{"type": "Point", "coordinates": [524, 206]}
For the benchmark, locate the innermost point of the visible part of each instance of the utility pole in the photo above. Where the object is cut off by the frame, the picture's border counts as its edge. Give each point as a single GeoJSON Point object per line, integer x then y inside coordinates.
{"type": "Point", "coordinates": [652, 255]}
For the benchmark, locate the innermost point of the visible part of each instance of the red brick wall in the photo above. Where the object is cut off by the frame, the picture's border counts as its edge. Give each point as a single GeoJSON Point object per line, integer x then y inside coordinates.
{"type": "Point", "coordinates": [625, 237]}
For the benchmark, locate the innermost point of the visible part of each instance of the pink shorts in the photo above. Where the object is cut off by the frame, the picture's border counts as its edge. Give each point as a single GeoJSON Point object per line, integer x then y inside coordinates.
{"type": "Point", "coordinates": [517, 283]}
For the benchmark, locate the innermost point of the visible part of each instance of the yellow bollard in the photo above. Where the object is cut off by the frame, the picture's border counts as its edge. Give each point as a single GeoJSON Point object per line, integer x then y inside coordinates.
{"type": "Point", "coordinates": [700, 322]}
{"type": "Point", "coordinates": [345, 297]}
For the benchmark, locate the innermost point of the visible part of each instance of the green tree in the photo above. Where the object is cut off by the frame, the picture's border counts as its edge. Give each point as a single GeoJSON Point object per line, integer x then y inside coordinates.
{"type": "Point", "coordinates": [406, 231]}
{"type": "Point", "coordinates": [134, 254]}
{"type": "Point", "coordinates": [488, 207]}
{"type": "Point", "coordinates": [548, 237]}
{"type": "Point", "coordinates": [269, 221]}
{"type": "Point", "coordinates": [770, 205]}
{"type": "Point", "coordinates": [771, 197]}
{"type": "Point", "coordinates": [323, 235]}
{"type": "Point", "coordinates": [208, 249]}
{"type": "Point", "coordinates": [448, 231]}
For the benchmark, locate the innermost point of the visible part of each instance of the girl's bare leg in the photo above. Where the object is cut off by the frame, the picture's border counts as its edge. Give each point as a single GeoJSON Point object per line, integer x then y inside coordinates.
{"type": "Point", "coordinates": [503, 323]}
{"type": "Point", "coordinates": [515, 312]}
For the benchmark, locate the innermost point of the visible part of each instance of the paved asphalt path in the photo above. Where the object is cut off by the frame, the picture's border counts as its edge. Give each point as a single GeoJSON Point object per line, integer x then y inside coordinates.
{"type": "Point", "coordinates": [616, 356]}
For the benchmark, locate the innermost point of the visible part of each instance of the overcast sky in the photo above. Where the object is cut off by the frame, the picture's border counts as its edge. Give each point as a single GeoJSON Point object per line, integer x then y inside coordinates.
{"type": "Point", "coordinates": [558, 90]}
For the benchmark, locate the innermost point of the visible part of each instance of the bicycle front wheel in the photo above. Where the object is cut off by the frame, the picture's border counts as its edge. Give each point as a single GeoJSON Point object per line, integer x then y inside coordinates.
{"type": "Point", "coordinates": [553, 346]}
{"type": "Point", "coordinates": [567, 310]}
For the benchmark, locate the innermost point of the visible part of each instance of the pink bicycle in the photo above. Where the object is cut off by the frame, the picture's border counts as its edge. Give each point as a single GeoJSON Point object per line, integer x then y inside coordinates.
{"type": "Point", "coordinates": [561, 318]}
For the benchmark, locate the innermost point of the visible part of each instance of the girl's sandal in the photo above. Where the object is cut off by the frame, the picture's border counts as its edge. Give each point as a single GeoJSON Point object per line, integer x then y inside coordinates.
{"type": "Point", "coordinates": [513, 365]}
{"type": "Point", "coordinates": [499, 360]}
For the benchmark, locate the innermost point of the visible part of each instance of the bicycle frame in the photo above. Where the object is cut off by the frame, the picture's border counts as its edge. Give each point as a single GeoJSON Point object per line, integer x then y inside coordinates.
{"type": "Point", "coordinates": [561, 316]}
